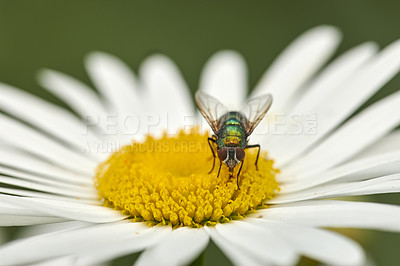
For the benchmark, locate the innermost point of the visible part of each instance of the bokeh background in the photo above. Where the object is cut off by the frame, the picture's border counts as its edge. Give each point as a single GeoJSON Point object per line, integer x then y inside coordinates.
{"type": "Point", "coordinates": [58, 34]}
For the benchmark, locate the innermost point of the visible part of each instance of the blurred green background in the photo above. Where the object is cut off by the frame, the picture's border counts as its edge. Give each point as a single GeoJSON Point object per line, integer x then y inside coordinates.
{"type": "Point", "coordinates": [58, 34]}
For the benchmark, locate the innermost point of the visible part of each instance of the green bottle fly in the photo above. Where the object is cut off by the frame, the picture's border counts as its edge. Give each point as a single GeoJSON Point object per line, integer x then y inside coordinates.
{"type": "Point", "coordinates": [232, 129]}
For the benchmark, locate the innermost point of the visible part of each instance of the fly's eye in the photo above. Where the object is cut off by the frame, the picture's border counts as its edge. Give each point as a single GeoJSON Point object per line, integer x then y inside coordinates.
{"type": "Point", "coordinates": [240, 154]}
{"type": "Point", "coordinates": [222, 154]}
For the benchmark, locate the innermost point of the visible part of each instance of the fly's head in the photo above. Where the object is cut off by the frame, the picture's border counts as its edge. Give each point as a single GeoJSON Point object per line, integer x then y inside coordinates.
{"type": "Point", "coordinates": [231, 156]}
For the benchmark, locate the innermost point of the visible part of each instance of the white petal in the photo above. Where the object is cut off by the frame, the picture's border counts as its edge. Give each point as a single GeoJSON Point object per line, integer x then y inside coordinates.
{"type": "Point", "coordinates": [13, 132]}
{"type": "Point", "coordinates": [362, 169]}
{"type": "Point", "coordinates": [21, 220]}
{"type": "Point", "coordinates": [297, 64]}
{"type": "Point", "coordinates": [46, 116]}
{"type": "Point", "coordinates": [385, 184]}
{"type": "Point", "coordinates": [224, 76]}
{"type": "Point", "coordinates": [8, 208]}
{"type": "Point", "coordinates": [261, 242]}
{"type": "Point", "coordinates": [63, 261]}
{"type": "Point", "coordinates": [44, 180]}
{"type": "Point", "coordinates": [322, 245]}
{"type": "Point", "coordinates": [65, 242]}
{"type": "Point", "coordinates": [41, 195]}
{"type": "Point", "coordinates": [348, 97]}
{"type": "Point", "coordinates": [124, 245]}
{"type": "Point", "coordinates": [14, 215]}
{"type": "Point", "coordinates": [71, 210]}
{"type": "Point", "coordinates": [333, 76]}
{"type": "Point", "coordinates": [234, 253]}
{"type": "Point", "coordinates": [115, 81]}
{"type": "Point", "coordinates": [119, 88]}
{"type": "Point", "coordinates": [180, 247]}
{"type": "Point", "coordinates": [17, 159]}
{"type": "Point", "coordinates": [167, 95]}
{"type": "Point", "coordinates": [284, 147]}
{"type": "Point", "coordinates": [163, 81]}
{"type": "Point", "coordinates": [351, 138]}
{"type": "Point", "coordinates": [77, 95]}
{"type": "Point", "coordinates": [40, 229]}
{"type": "Point", "coordinates": [83, 193]}
{"type": "Point", "coordinates": [329, 213]}
{"type": "Point", "coordinates": [387, 144]}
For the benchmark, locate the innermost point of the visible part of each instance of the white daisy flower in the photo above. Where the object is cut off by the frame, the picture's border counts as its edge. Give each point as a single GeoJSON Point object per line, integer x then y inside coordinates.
{"type": "Point", "coordinates": [89, 199]}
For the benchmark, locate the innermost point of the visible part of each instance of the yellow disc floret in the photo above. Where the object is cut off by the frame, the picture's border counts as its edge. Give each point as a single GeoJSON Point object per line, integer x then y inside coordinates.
{"type": "Point", "coordinates": [166, 180]}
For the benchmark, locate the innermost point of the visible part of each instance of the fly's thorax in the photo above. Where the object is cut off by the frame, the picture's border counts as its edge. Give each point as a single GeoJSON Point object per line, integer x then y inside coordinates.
{"type": "Point", "coordinates": [231, 141]}
{"type": "Point", "coordinates": [232, 136]}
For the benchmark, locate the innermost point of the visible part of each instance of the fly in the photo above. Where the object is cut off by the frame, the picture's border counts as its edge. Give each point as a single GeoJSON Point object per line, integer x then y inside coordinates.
{"type": "Point", "coordinates": [232, 128]}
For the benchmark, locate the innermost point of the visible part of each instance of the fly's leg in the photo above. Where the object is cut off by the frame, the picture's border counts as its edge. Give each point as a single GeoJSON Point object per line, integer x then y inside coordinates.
{"type": "Point", "coordinates": [212, 150]}
{"type": "Point", "coordinates": [219, 169]}
{"type": "Point", "coordinates": [237, 177]}
{"type": "Point", "coordinates": [258, 153]}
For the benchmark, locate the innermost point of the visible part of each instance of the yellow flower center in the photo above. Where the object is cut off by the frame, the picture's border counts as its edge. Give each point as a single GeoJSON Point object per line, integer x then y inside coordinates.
{"type": "Point", "coordinates": [167, 180]}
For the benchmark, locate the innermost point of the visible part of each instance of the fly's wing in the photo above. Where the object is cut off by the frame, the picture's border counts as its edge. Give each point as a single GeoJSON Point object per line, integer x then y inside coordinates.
{"type": "Point", "coordinates": [211, 109]}
{"type": "Point", "coordinates": [254, 110]}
